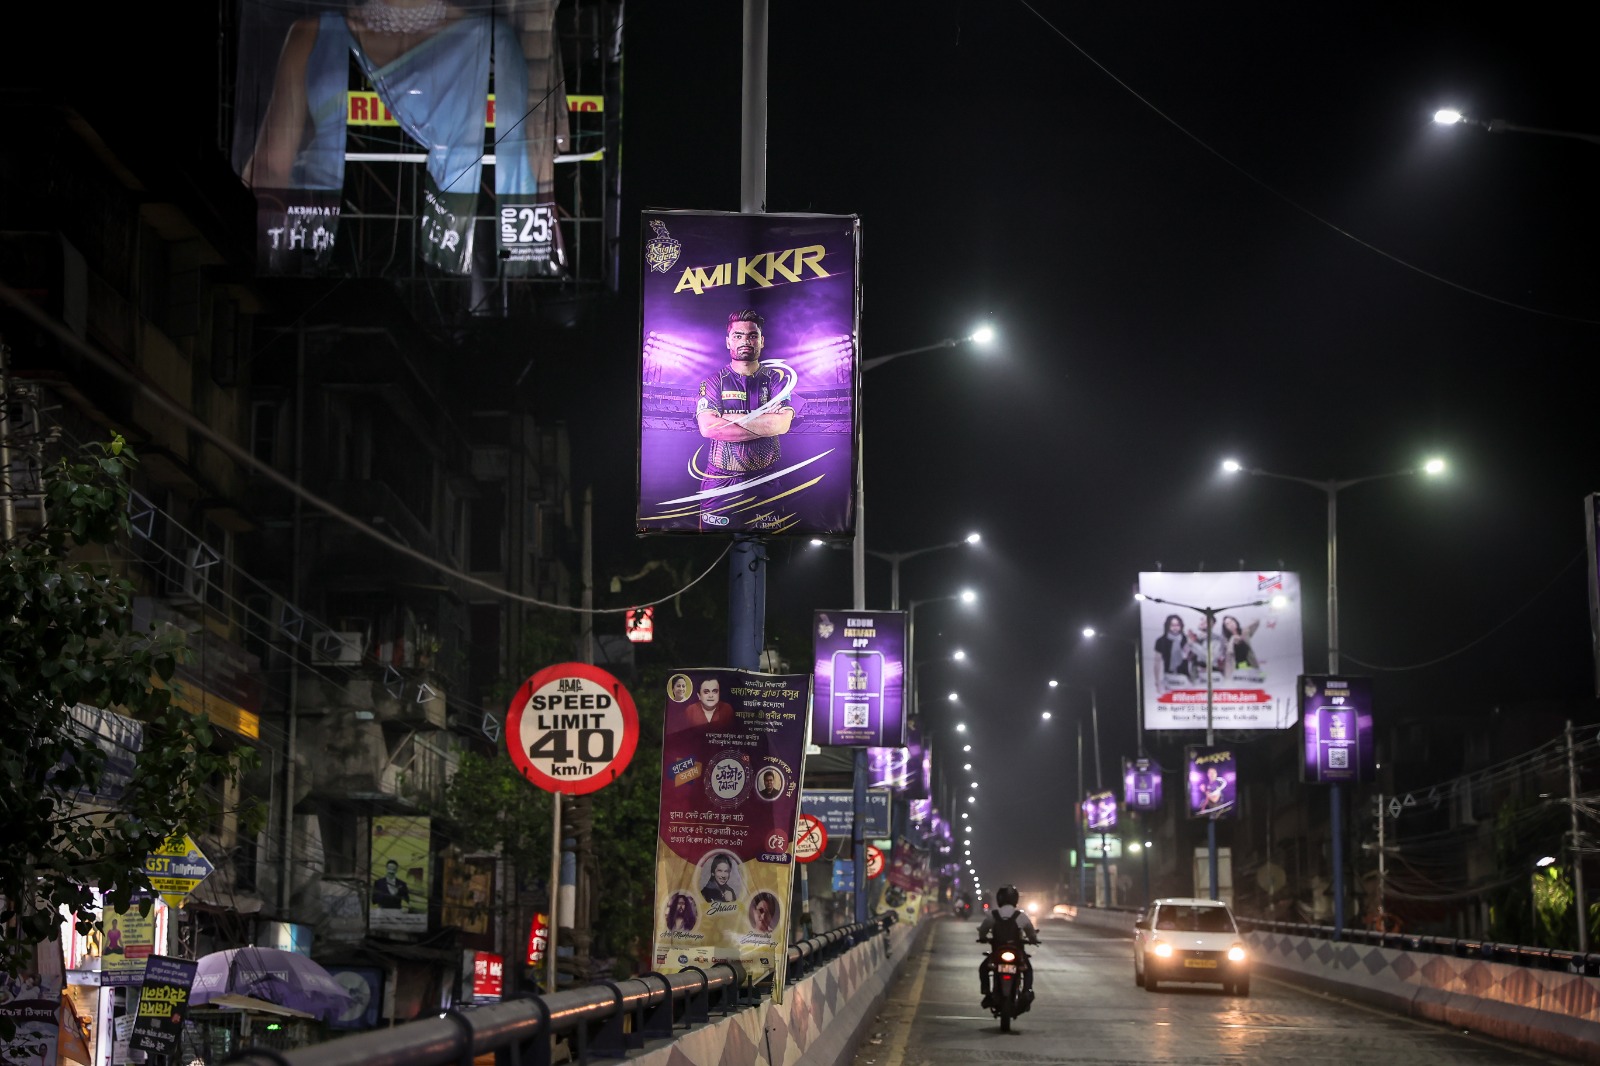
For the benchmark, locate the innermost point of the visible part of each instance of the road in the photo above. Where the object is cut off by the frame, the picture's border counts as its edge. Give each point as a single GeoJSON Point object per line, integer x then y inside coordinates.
{"type": "Point", "coordinates": [1088, 1012]}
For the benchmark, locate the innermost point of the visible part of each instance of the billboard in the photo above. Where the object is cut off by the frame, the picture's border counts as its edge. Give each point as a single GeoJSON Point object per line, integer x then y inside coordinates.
{"type": "Point", "coordinates": [731, 767]}
{"type": "Point", "coordinates": [1141, 784]}
{"type": "Point", "coordinates": [443, 95]}
{"type": "Point", "coordinates": [1336, 721]}
{"type": "Point", "coordinates": [860, 675]}
{"type": "Point", "coordinates": [747, 371]}
{"type": "Point", "coordinates": [1254, 654]}
{"type": "Point", "coordinates": [1213, 782]}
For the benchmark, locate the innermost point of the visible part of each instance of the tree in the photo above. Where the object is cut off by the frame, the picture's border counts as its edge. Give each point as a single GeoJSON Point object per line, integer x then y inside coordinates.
{"type": "Point", "coordinates": [67, 638]}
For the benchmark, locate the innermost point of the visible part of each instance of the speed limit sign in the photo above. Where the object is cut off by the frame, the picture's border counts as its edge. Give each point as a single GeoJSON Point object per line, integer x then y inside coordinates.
{"type": "Point", "coordinates": [810, 838]}
{"type": "Point", "coordinates": [874, 861]}
{"type": "Point", "coordinates": [571, 728]}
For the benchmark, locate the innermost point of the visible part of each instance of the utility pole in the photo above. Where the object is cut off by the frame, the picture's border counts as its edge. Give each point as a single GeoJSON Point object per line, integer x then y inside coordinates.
{"type": "Point", "coordinates": [1579, 899]}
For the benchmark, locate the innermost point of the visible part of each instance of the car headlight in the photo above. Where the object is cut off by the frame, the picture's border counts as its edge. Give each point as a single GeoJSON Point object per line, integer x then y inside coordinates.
{"type": "Point", "coordinates": [1236, 953]}
{"type": "Point", "coordinates": [1008, 956]}
{"type": "Point", "coordinates": [1162, 948]}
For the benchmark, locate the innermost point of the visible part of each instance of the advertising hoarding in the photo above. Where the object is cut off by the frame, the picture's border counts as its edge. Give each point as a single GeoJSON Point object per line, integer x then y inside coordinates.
{"type": "Point", "coordinates": [163, 1005]}
{"type": "Point", "coordinates": [1213, 782]}
{"type": "Point", "coordinates": [860, 673]}
{"type": "Point", "coordinates": [1100, 811]}
{"type": "Point", "coordinates": [1141, 784]}
{"type": "Point", "coordinates": [1255, 653]}
{"type": "Point", "coordinates": [1336, 721]}
{"type": "Point", "coordinates": [748, 369]}
{"type": "Point", "coordinates": [402, 874]}
{"type": "Point", "coordinates": [732, 762]}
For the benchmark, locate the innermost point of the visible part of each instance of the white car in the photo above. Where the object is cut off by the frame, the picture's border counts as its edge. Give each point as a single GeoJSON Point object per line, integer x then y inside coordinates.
{"type": "Point", "coordinates": [1184, 939]}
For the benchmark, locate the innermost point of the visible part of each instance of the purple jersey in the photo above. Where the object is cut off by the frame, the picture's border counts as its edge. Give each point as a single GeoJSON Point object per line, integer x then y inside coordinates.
{"type": "Point", "coordinates": [728, 393]}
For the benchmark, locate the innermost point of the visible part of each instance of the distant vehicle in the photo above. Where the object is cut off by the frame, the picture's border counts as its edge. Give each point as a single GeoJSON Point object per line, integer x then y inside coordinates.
{"type": "Point", "coordinates": [1190, 940]}
{"type": "Point", "coordinates": [1061, 911]}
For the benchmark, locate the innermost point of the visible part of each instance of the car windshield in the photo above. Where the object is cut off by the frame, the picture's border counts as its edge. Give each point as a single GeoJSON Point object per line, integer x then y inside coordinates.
{"type": "Point", "coordinates": [1195, 919]}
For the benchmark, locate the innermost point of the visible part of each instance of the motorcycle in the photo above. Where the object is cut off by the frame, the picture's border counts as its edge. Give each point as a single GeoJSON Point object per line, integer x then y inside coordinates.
{"type": "Point", "coordinates": [1010, 979]}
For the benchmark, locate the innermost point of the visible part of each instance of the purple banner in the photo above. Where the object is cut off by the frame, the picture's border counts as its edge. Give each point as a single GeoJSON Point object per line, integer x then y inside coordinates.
{"type": "Point", "coordinates": [1336, 717]}
{"type": "Point", "coordinates": [1141, 784]}
{"type": "Point", "coordinates": [860, 679]}
{"type": "Point", "coordinates": [1213, 782]}
{"type": "Point", "coordinates": [1100, 811]}
{"type": "Point", "coordinates": [747, 373]}
{"type": "Point", "coordinates": [731, 759]}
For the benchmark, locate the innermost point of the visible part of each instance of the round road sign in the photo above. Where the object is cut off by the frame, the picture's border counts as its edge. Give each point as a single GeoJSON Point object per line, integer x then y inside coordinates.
{"type": "Point", "coordinates": [874, 861]}
{"type": "Point", "coordinates": [810, 837]}
{"type": "Point", "coordinates": [571, 728]}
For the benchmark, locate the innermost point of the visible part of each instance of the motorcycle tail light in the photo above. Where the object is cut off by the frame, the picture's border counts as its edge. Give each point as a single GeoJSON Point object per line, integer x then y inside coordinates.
{"type": "Point", "coordinates": [1163, 949]}
{"type": "Point", "coordinates": [1008, 956]}
{"type": "Point", "coordinates": [1236, 953]}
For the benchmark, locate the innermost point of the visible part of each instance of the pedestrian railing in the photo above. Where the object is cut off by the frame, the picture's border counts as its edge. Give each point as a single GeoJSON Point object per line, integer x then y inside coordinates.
{"type": "Point", "coordinates": [1489, 951]}
{"type": "Point", "coordinates": [603, 1020]}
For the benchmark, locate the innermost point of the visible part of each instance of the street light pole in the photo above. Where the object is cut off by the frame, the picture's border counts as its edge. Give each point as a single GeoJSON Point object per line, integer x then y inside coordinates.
{"type": "Point", "coordinates": [1332, 487]}
{"type": "Point", "coordinates": [1451, 117]}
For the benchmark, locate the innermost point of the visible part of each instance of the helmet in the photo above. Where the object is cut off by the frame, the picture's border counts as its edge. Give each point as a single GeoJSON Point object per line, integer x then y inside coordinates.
{"type": "Point", "coordinates": [1006, 896]}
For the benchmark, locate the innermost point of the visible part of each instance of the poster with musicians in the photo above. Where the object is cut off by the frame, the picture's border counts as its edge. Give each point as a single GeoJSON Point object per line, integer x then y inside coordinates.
{"type": "Point", "coordinates": [748, 366]}
{"type": "Point", "coordinates": [732, 760]}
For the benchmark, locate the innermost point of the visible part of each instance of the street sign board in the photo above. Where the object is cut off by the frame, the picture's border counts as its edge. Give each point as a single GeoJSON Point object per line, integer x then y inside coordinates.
{"type": "Point", "coordinates": [176, 867]}
{"type": "Point", "coordinates": [874, 861]}
{"type": "Point", "coordinates": [571, 728]}
{"type": "Point", "coordinates": [836, 808]}
{"type": "Point", "coordinates": [810, 838]}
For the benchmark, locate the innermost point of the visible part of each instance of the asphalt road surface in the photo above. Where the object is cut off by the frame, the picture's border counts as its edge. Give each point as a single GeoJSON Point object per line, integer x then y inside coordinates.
{"type": "Point", "coordinates": [1088, 1012]}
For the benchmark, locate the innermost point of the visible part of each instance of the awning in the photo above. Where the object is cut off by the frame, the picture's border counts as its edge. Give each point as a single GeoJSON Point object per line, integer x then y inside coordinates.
{"type": "Point", "coordinates": [234, 1001]}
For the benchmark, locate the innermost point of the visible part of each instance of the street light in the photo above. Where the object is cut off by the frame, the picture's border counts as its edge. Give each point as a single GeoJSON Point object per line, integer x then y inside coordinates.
{"type": "Point", "coordinates": [1431, 467]}
{"type": "Point", "coordinates": [1091, 633]}
{"type": "Point", "coordinates": [1211, 675]}
{"type": "Point", "coordinates": [1449, 116]}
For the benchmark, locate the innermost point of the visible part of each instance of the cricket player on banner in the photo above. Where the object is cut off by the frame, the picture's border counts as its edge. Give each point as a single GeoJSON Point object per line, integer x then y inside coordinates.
{"type": "Point", "coordinates": [732, 764]}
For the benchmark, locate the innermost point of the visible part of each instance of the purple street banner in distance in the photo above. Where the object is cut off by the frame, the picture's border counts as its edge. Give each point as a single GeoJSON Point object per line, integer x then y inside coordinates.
{"type": "Point", "coordinates": [733, 440]}
{"type": "Point", "coordinates": [731, 766]}
{"type": "Point", "coordinates": [1336, 720]}
{"type": "Point", "coordinates": [1141, 784]}
{"type": "Point", "coordinates": [1213, 782]}
{"type": "Point", "coordinates": [860, 673]}
{"type": "Point", "coordinates": [1100, 811]}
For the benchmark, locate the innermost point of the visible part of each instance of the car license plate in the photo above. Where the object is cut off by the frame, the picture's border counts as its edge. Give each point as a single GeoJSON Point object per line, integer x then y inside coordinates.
{"type": "Point", "coordinates": [1201, 964]}
{"type": "Point", "coordinates": [1006, 967]}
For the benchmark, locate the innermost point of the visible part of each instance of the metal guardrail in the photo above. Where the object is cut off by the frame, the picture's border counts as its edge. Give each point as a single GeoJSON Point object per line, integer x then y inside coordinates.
{"type": "Point", "coordinates": [606, 1019]}
{"type": "Point", "coordinates": [1488, 951]}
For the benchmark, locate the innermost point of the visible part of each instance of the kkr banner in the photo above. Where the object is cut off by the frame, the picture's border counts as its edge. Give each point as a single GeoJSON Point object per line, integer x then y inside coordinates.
{"type": "Point", "coordinates": [1255, 651]}
{"type": "Point", "coordinates": [414, 87]}
{"type": "Point", "coordinates": [1336, 717]}
{"type": "Point", "coordinates": [1213, 782]}
{"type": "Point", "coordinates": [1100, 811]}
{"type": "Point", "coordinates": [860, 675]}
{"type": "Point", "coordinates": [1141, 784]}
{"type": "Point", "coordinates": [731, 764]}
{"type": "Point", "coordinates": [747, 373]}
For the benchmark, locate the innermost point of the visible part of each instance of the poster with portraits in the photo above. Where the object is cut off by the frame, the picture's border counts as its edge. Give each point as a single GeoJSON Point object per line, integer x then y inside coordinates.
{"type": "Point", "coordinates": [1213, 782]}
{"type": "Point", "coordinates": [1100, 811]}
{"type": "Point", "coordinates": [1254, 653]}
{"type": "Point", "coordinates": [402, 874]}
{"type": "Point", "coordinates": [748, 365]}
{"type": "Point", "coordinates": [732, 762]}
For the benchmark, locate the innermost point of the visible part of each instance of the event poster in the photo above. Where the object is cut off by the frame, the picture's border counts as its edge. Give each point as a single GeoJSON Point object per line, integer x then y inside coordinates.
{"type": "Point", "coordinates": [468, 106]}
{"type": "Point", "coordinates": [748, 369]}
{"type": "Point", "coordinates": [1213, 782]}
{"type": "Point", "coordinates": [127, 940]}
{"type": "Point", "coordinates": [1100, 811]}
{"type": "Point", "coordinates": [860, 672]}
{"type": "Point", "coordinates": [1255, 652]}
{"type": "Point", "coordinates": [401, 868]}
{"type": "Point", "coordinates": [163, 1004]}
{"type": "Point", "coordinates": [732, 758]}
{"type": "Point", "coordinates": [1141, 784]}
{"type": "Point", "coordinates": [1336, 720]}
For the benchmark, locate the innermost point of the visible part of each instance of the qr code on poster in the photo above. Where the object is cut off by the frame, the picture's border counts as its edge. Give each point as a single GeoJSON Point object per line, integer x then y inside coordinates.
{"type": "Point", "coordinates": [855, 716]}
{"type": "Point", "coordinates": [1338, 758]}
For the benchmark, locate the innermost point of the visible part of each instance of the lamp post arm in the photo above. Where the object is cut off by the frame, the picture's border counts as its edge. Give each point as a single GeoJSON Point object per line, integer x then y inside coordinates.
{"type": "Point", "coordinates": [1500, 125]}
{"type": "Point", "coordinates": [879, 360]}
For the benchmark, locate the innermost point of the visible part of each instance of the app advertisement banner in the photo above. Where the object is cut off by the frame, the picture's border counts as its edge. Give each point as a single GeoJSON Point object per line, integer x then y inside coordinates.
{"type": "Point", "coordinates": [748, 368]}
{"type": "Point", "coordinates": [1213, 782]}
{"type": "Point", "coordinates": [1255, 651]}
{"type": "Point", "coordinates": [1336, 720]}
{"type": "Point", "coordinates": [860, 672]}
{"type": "Point", "coordinates": [163, 1005]}
{"type": "Point", "coordinates": [731, 774]}
{"type": "Point", "coordinates": [401, 874]}
{"type": "Point", "coordinates": [1141, 784]}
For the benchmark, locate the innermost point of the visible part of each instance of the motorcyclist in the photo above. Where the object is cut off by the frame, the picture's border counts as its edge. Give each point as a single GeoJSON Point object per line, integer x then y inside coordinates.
{"type": "Point", "coordinates": [1007, 924]}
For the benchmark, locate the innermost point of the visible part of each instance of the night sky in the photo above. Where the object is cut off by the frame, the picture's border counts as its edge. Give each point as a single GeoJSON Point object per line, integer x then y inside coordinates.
{"type": "Point", "coordinates": [1201, 232]}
